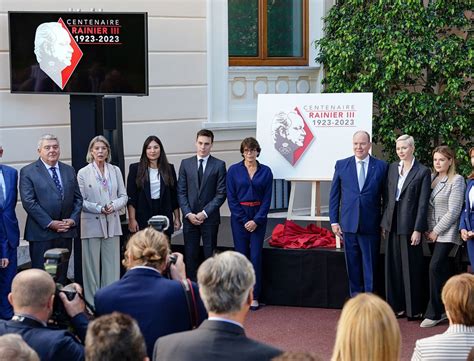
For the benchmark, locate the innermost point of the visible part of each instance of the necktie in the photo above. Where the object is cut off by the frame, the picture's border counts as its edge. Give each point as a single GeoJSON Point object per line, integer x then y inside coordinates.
{"type": "Point", "coordinates": [200, 171]}
{"type": "Point", "coordinates": [56, 180]}
{"type": "Point", "coordinates": [2, 197]}
{"type": "Point", "coordinates": [361, 177]}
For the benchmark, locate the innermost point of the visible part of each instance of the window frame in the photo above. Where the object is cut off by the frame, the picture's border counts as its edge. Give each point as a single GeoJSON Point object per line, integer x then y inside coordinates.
{"type": "Point", "coordinates": [263, 59]}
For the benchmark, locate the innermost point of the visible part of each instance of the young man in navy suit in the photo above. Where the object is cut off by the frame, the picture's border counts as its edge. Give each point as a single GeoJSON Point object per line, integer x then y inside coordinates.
{"type": "Point", "coordinates": [201, 193]}
{"type": "Point", "coordinates": [355, 209]}
{"type": "Point", "coordinates": [9, 235]}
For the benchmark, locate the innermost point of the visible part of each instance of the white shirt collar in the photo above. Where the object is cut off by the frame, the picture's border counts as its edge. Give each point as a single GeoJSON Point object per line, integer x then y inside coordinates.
{"type": "Point", "coordinates": [49, 166]}
{"type": "Point", "coordinates": [365, 160]}
{"type": "Point", "coordinates": [225, 320]}
{"type": "Point", "coordinates": [205, 158]}
{"type": "Point", "coordinates": [145, 267]}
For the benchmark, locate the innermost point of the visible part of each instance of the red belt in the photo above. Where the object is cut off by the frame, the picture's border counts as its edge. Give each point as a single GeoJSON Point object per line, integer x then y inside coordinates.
{"type": "Point", "coordinates": [251, 204]}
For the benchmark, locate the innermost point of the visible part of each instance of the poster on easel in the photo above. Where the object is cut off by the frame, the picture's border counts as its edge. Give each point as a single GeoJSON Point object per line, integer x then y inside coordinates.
{"type": "Point", "coordinates": [302, 135]}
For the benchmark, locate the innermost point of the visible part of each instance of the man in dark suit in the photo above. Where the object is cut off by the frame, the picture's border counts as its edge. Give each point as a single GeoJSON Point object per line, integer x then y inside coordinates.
{"type": "Point", "coordinates": [225, 284]}
{"type": "Point", "coordinates": [51, 197]}
{"type": "Point", "coordinates": [32, 299]}
{"type": "Point", "coordinates": [9, 235]}
{"type": "Point", "coordinates": [355, 209]}
{"type": "Point", "coordinates": [201, 192]}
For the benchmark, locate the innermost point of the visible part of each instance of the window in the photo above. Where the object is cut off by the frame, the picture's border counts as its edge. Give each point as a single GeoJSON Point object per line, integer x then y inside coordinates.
{"type": "Point", "coordinates": [268, 32]}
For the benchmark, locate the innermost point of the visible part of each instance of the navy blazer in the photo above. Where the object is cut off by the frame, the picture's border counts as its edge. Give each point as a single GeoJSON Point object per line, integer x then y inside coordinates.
{"type": "Point", "coordinates": [140, 199]}
{"type": "Point", "coordinates": [356, 210]}
{"type": "Point", "coordinates": [212, 193]}
{"type": "Point", "coordinates": [9, 230]}
{"type": "Point", "coordinates": [213, 341]}
{"type": "Point", "coordinates": [157, 303]}
{"type": "Point", "coordinates": [43, 202]}
{"type": "Point", "coordinates": [467, 215]}
{"type": "Point", "coordinates": [50, 345]}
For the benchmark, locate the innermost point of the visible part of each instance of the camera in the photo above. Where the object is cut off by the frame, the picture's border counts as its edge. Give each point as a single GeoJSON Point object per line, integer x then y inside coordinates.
{"type": "Point", "coordinates": [160, 223]}
{"type": "Point", "coordinates": [56, 262]}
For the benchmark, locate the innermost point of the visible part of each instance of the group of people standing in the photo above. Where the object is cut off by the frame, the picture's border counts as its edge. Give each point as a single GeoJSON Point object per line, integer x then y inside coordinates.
{"type": "Point", "coordinates": [56, 201]}
{"type": "Point", "coordinates": [404, 202]}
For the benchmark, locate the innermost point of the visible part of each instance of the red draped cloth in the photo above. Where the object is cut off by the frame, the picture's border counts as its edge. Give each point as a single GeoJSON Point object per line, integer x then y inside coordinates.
{"type": "Point", "coordinates": [291, 235]}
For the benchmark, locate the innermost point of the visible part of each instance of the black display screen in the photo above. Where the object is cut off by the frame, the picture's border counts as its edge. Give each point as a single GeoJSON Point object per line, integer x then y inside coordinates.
{"type": "Point", "coordinates": [78, 53]}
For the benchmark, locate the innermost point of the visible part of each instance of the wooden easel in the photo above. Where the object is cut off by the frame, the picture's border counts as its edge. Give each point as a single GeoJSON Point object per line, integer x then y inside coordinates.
{"type": "Point", "coordinates": [315, 210]}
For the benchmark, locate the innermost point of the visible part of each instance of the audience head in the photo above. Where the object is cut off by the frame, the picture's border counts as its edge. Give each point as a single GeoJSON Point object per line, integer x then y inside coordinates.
{"type": "Point", "coordinates": [226, 283]}
{"type": "Point", "coordinates": [250, 143]}
{"type": "Point", "coordinates": [444, 160]}
{"type": "Point", "coordinates": [367, 330]}
{"type": "Point", "coordinates": [13, 348]}
{"type": "Point", "coordinates": [115, 337]}
{"type": "Point", "coordinates": [458, 299]}
{"type": "Point", "coordinates": [147, 247]}
{"type": "Point", "coordinates": [33, 293]}
{"type": "Point", "coordinates": [91, 152]}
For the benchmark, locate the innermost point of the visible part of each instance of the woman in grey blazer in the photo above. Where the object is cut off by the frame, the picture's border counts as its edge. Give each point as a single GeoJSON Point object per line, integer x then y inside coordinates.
{"type": "Point", "coordinates": [104, 194]}
{"type": "Point", "coordinates": [444, 207]}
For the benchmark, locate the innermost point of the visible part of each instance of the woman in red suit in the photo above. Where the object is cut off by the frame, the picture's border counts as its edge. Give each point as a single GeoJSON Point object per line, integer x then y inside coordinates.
{"type": "Point", "coordinates": [151, 188]}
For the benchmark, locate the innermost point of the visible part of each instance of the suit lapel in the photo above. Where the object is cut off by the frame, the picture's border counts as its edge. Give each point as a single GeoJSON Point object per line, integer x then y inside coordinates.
{"type": "Point", "coordinates": [45, 174]}
{"type": "Point", "coordinates": [370, 172]}
{"type": "Point", "coordinates": [411, 174]}
{"type": "Point", "coordinates": [162, 187]}
{"type": "Point", "coordinates": [439, 187]}
{"type": "Point", "coordinates": [353, 172]}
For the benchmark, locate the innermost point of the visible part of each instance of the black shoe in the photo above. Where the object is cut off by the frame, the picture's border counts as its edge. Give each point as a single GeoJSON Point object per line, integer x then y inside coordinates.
{"type": "Point", "coordinates": [400, 314]}
{"type": "Point", "coordinates": [416, 317]}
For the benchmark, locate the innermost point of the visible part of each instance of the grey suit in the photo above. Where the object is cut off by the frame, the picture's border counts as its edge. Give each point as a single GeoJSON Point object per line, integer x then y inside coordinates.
{"type": "Point", "coordinates": [213, 340]}
{"type": "Point", "coordinates": [43, 203]}
{"type": "Point", "coordinates": [445, 206]}
{"type": "Point", "coordinates": [209, 197]}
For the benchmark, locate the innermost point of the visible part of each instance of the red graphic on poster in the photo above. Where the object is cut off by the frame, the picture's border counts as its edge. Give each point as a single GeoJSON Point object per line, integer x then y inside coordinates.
{"type": "Point", "coordinates": [56, 51]}
{"type": "Point", "coordinates": [291, 135]}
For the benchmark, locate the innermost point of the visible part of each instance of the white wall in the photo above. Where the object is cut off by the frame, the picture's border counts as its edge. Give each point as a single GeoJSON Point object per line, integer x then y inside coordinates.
{"type": "Point", "coordinates": [175, 109]}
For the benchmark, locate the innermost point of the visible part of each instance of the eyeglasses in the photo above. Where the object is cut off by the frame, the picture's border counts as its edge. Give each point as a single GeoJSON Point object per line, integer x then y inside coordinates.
{"type": "Point", "coordinates": [249, 151]}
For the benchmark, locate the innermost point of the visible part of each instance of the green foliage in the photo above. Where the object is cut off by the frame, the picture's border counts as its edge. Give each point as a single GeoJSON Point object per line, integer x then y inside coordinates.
{"type": "Point", "coordinates": [417, 60]}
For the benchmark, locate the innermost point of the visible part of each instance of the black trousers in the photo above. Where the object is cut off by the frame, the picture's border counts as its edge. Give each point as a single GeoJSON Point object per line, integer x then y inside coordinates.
{"type": "Point", "coordinates": [192, 239]}
{"type": "Point", "coordinates": [439, 274]}
{"type": "Point", "coordinates": [403, 274]}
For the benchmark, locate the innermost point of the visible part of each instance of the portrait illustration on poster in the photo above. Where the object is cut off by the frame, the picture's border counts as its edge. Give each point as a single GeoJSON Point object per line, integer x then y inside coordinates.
{"type": "Point", "coordinates": [56, 51]}
{"type": "Point", "coordinates": [291, 135]}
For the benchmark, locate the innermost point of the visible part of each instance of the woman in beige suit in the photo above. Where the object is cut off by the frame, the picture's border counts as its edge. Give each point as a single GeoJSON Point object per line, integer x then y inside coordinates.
{"type": "Point", "coordinates": [446, 200]}
{"type": "Point", "coordinates": [104, 194]}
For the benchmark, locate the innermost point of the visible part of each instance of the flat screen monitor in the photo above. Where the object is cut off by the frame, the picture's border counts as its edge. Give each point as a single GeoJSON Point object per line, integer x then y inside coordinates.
{"type": "Point", "coordinates": [88, 53]}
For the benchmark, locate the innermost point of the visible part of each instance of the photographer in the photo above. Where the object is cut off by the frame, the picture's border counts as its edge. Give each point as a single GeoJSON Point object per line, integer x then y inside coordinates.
{"type": "Point", "coordinates": [159, 304]}
{"type": "Point", "coordinates": [32, 298]}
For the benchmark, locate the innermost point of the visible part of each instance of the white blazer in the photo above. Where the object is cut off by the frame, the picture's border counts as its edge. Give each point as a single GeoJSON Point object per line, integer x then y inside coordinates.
{"type": "Point", "coordinates": [93, 222]}
{"type": "Point", "coordinates": [445, 207]}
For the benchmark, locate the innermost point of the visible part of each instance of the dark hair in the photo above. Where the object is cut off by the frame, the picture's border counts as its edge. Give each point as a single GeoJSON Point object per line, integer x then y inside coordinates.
{"type": "Point", "coordinates": [205, 133]}
{"type": "Point", "coordinates": [163, 166]}
{"type": "Point", "coordinates": [471, 154]}
{"type": "Point", "coordinates": [114, 337]}
{"type": "Point", "coordinates": [250, 143]}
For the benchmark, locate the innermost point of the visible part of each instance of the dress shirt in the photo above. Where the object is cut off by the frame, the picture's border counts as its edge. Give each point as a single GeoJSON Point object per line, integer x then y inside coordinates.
{"type": "Point", "coordinates": [358, 165]}
{"type": "Point", "coordinates": [471, 197]}
{"type": "Point", "coordinates": [2, 182]}
{"type": "Point", "coordinates": [402, 177]}
{"type": "Point", "coordinates": [203, 163]}
{"type": "Point", "coordinates": [154, 176]}
{"type": "Point", "coordinates": [50, 172]}
{"type": "Point", "coordinates": [215, 318]}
